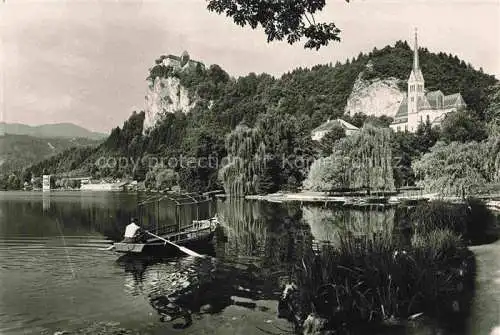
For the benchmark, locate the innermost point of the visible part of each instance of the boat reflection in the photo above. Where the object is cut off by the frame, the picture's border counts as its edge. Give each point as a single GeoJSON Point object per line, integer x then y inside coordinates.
{"type": "Point", "coordinates": [253, 257]}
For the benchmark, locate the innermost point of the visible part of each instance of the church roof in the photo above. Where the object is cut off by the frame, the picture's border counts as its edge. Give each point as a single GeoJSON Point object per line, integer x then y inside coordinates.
{"type": "Point", "coordinates": [416, 75]}
{"type": "Point", "coordinates": [434, 98]}
{"type": "Point", "coordinates": [423, 103]}
{"type": "Point", "coordinates": [402, 112]}
{"type": "Point", "coordinates": [430, 101]}
{"type": "Point", "coordinates": [452, 100]}
{"type": "Point", "coordinates": [434, 94]}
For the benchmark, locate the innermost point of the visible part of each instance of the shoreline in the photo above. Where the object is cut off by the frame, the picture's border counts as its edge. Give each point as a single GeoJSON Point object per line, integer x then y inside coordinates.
{"type": "Point", "coordinates": [492, 200]}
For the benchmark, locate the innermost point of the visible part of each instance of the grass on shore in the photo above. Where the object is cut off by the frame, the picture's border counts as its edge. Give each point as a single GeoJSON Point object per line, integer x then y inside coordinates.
{"type": "Point", "coordinates": [472, 220]}
{"type": "Point", "coordinates": [379, 278]}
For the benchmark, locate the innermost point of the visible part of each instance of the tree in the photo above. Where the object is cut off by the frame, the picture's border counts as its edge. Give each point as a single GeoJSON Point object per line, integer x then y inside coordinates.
{"type": "Point", "coordinates": [462, 126]}
{"type": "Point", "coordinates": [13, 182]}
{"type": "Point", "coordinates": [455, 169]}
{"type": "Point", "coordinates": [26, 176]}
{"type": "Point", "coordinates": [139, 170]}
{"type": "Point", "coordinates": [160, 177]}
{"type": "Point", "coordinates": [357, 119]}
{"type": "Point", "coordinates": [245, 161]}
{"type": "Point", "coordinates": [206, 146]}
{"type": "Point", "coordinates": [332, 137]}
{"type": "Point", "coordinates": [328, 173]}
{"type": "Point", "coordinates": [404, 151]}
{"type": "Point", "coordinates": [360, 161]}
{"type": "Point", "coordinates": [165, 179]}
{"type": "Point", "coordinates": [281, 19]}
{"type": "Point", "coordinates": [269, 179]}
{"type": "Point", "coordinates": [382, 121]}
{"type": "Point", "coordinates": [492, 112]}
{"type": "Point", "coordinates": [426, 136]}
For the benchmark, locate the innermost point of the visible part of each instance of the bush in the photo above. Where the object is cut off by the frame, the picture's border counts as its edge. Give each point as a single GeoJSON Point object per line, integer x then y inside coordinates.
{"type": "Point", "coordinates": [375, 278]}
{"type": "Point", "coordinates": [472, 219]}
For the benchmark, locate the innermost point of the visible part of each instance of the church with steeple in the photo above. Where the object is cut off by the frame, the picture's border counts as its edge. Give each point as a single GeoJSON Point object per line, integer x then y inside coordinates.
{"type": "Point", "coordinates": [418, 106]}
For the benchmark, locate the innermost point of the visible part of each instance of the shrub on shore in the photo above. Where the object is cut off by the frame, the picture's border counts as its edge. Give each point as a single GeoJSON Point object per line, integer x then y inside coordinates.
{"type": "Point", "coordinates": [377, 279]}
{"type": "Point", "coordinates": [472, 219]}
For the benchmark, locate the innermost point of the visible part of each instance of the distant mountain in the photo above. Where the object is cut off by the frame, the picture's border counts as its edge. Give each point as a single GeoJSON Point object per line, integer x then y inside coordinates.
{"type": "Point", "coordinates": [55, 130]}
{"type": "Point", "coordinates": [20, 151]}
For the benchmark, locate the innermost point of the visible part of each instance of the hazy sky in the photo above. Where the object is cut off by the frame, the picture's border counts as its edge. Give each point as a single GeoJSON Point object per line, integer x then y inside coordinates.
{"type": "Point", "coordinates": [86, 61]}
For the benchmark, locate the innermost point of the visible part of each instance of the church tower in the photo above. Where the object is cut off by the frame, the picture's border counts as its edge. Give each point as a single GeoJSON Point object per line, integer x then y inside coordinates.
{"type": "Point", "coordinates": [415, 82]}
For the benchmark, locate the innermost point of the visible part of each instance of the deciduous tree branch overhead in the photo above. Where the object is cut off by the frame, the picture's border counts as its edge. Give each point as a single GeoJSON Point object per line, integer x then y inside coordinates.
{"type": "Point", "coordinates": [281, 19]}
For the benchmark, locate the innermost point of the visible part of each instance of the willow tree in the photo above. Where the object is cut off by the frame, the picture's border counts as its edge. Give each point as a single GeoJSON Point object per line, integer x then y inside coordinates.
{"type": "Point", "coordinates": [492, 161]}
{"type": "Point", "coordinates": [362, 160]}
{"type": "Point", "coordinates": [455, 169]}
{"type": "Point", "coordinates": [328, 173]}
{"type": "Point", "coordinates": [460, 169]}
{"type": "Point", "coordinates": [371, 159]}
{"type": "Point", "coordinates": [245, 161]}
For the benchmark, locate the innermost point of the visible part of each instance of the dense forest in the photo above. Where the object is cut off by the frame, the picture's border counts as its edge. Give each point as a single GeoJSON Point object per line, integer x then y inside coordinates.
{"type": "Point", "coordinates": [260, 117]}
{"type": "Point", "coordinates": [18, 150]}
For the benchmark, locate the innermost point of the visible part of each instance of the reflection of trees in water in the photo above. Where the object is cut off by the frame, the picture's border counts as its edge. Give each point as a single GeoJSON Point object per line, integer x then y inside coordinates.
{"type": "Point", "coordinates": [330, 224]}
{"type": "Point", "coordinates": [272, 234]}
{"type": "Point", "coordinates": [245, 226]}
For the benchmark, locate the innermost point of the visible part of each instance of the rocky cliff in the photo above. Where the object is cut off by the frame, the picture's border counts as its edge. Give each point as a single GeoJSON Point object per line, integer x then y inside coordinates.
{"type": "Point", "coordinates": [374, 96]}
{"type": "Point", "coordinates": [165, 95]}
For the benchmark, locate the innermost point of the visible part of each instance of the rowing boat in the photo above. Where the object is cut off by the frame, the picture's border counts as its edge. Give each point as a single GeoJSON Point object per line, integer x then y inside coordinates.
{"type": "Point", "coordinates": [200, 231]}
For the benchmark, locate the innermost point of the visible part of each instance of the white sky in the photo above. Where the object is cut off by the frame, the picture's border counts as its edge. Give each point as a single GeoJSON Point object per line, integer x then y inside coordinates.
{"type": "Point", "coordinates": [86, 61]}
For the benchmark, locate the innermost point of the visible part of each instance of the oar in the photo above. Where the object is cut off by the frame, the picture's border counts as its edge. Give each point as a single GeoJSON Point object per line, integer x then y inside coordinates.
{"type": "Point", "coordinates": [183, 249]}
{"type": "Point", "coordinates": [111, 247]}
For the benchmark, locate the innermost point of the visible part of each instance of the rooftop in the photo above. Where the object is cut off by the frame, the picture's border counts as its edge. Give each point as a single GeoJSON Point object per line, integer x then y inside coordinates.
{"type": "Point", "coordinates": [430, 101]}
{"type": "Point", "coordinates": [330, 124]}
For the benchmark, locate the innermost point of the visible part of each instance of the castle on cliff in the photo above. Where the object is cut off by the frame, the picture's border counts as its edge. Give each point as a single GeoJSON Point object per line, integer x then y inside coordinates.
{"type": "Point", "coordinates": [418, 106]}
{"type": "Point", "coordinates": [181, 63]}
{"type": "Point", "coordinates": [165, 93]}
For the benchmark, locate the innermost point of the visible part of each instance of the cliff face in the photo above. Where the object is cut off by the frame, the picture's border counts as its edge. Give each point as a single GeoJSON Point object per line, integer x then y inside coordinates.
{"type": "Point", "coordinates": [374, 96]}
{"type": "Point", "coordinates": [165, 95]}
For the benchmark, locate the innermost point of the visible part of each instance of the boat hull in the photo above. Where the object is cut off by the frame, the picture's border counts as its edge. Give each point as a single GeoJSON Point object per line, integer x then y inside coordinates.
{"type": "Point", "coordinates": [158, 246]}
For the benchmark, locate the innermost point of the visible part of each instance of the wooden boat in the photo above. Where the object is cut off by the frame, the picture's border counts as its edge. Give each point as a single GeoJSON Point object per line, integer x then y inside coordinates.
{"type": "Point", "coordinates": [199, 232]}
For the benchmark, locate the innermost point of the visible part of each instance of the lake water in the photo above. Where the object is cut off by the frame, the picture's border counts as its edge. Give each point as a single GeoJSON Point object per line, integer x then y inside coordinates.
{"type": "Point", "coordinates": [54, 277]}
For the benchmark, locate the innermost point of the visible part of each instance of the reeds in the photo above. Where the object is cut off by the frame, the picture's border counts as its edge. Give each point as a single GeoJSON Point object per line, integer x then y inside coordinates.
{"type": "Point", "coordinates": [377, 278]}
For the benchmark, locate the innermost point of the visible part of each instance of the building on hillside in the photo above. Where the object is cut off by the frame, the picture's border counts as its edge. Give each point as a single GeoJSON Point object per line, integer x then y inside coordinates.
{"type": "Point", "coordinates": [420, 106]}
{"type": "Point", "coordinates": [46, 182]}
{"type": "Point", "coordinates": [318, 133]}
{"type": "Point", "coordinates": [182, 62]}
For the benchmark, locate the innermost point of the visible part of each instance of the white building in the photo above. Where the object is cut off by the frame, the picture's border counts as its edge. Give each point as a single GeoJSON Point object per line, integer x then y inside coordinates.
{"type": "Point", "coordinates": [318, 133]}
{"type": "Point", "coordinates": [46, 182]}
{"type": "Point", "coordinates": [418, 106]}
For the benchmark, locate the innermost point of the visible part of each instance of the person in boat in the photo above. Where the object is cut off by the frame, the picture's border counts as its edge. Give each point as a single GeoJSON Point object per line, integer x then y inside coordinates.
{"type": "Point", "coordinates": [215, 219]}
{"type": "Point", "coordinates": [134, 233]}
